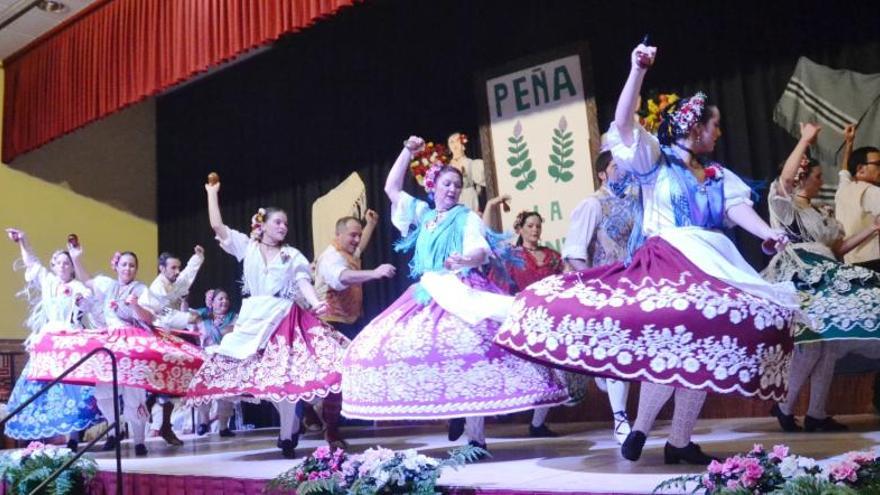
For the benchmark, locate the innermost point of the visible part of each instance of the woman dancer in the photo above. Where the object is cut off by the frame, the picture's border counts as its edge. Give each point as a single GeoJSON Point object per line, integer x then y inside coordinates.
{"type": "Point", "coordinates": [215, 321]}
{"type": "Point", "coordinates": [276, 351]}
{"type": "Point", "coordinates": [57, 305]}
{"type": "Point", "coordinates": [688, 314]}
{"type": "Point", "coordinates": [841, 301]}
{"type": "Point", "coordinates": [430, 354]}
{"type": "Point", "coordinates": [147, 359]}
{"type": "Point", "coordinates": [532, 262]}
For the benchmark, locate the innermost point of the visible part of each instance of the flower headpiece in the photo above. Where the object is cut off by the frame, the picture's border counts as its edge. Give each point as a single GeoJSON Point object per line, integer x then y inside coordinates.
{"type": "Point", "coordinates": [427, 163]}
{"type": "Point", "coordinates": [803, 169]}
{"type": "Point", "coordinates": [114, 260]}
{"type": "Point", "coordinates": [688, 113]}
{"type": "Point", "coordinates": [257, 224]}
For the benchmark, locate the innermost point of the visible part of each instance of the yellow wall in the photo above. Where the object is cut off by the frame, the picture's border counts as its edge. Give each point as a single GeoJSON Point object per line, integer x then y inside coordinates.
{"type": "Point", "coordinates": [48, 213]}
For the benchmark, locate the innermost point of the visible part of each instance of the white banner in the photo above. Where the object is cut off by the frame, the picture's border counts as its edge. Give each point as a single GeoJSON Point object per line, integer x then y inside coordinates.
{"type": "Point", "coordinates": [541, 142]}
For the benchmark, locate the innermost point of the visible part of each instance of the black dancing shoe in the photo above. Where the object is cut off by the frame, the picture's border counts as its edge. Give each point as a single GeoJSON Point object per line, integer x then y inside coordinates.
{"type": "Point", "coordinates": [542, 432]}
{"type": "Point", "coordinates": [202, 430]}
{"type": "Point", "coordinates": [456, 429]}
{"type": "Point", "coordinates": [786, 421]}
{"type": "Point", "coordinates": [73, 444]}
{"type": "Point", "coordinates": [812, 424]}
{"type": "Point", "coordinates": [140, 450]}
{"type": "Point", "coordinates": [288, 449]}
{"type": "Point", "coordinates": [632, 447]}
{"type": "Point", "coordinates": [691, 454]}
{"type": "Point", "coordinates": [226, 432]}
{"type": "Point", "coordinates": [109, 444]}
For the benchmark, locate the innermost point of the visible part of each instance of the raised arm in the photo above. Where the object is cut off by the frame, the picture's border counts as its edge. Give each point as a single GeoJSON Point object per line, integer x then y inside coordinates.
{"type": "Point", "coordinates": [394, 182]}
{"type": "Point", "coordinates": [849, 137]}
{"type": "Point", "coordinates": [788, 175]}
{"type": "Point", "coordinates": [372, 219]}
{"type": "Point", "coordinates": [214, 216]}
{"type": "Point", "coordinates": [188, 274]}
{"type": "Point", "coordinates": [641, 59]}
{"type": "Point", "coordinates": [81, 273]}
{"type": "Point", "coordinates": [27, 252]}
{"type": "Point", "coordinates": [490, 212]}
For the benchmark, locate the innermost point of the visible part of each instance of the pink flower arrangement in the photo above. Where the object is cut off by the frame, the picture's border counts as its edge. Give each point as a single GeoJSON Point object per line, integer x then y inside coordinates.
{"type": "Point", "coordinates": [761, 471]}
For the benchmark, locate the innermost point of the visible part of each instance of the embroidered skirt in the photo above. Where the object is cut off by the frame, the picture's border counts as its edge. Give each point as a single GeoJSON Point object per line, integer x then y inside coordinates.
{"type": "Point", "coordinates": [661, 319]}
{"type": "Point", "coordinates": [154, 360]}
{"type": "Point", "coordinates": [302, 360]}
{"type": "Point", "coordinates": [62, 410]}
{"type": "Point", "coordinates": [419, 361]}
{"type": "Point", "coordinates": [840, 301]}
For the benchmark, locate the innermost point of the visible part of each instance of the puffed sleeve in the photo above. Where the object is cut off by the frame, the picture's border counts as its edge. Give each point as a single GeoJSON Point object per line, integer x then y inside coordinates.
{"type": "Point", "coordinates": [102, 285]}
{"type": "Point", "coordinates": [35, 273]}
{"type": "Point", "coordinates": [235, 244]}
{"type": "Point", "coordinates": [780, 206]}
{"type": "Point", "coordinates": [474, 237]}
{"type": "Point", "coordinates": [331, 264]}
{"type": "Point", "coordinates": [736, 192]}
{"type": "Point", "coordinates": [639, 157]}
{"type": "Point", "coordinates": [407, 211]}
{"type": "Point", "coordinates": [299, 265]}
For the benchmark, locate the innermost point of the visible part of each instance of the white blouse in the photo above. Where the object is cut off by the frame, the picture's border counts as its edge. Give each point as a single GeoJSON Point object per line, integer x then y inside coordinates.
{"type": "Point", "coordinates": [57, 308]}
{"type": "Point", "coordinates": [641, 157]}
{"type": "Point", "coordinates": [278, 277]}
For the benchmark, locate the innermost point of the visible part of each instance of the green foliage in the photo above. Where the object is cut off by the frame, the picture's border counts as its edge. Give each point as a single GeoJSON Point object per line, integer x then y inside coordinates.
{"type": "Point", "coordinates": [560, 158]}
{"type": "Point", "coordinates": [519, 161]}
{"type": "Point", "coordinates": [23, 471]}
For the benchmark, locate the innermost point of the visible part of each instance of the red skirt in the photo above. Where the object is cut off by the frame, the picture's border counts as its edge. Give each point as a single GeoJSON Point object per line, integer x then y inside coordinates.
{"type": "Point", "coordinates": [154, 360]}
{"type": "Point", "coordinates": [302, 360]}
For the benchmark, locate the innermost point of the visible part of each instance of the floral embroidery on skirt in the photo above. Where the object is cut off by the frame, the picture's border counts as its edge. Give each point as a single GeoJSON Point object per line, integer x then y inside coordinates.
{"type": "Point", "coordinates": [154, 360]}
{"type": "Point", "coordinates": [661, 320]}
{"type": "Point", "coordinates": [419, 361]}
{"type": "Point", "coordinates": [301, 361]}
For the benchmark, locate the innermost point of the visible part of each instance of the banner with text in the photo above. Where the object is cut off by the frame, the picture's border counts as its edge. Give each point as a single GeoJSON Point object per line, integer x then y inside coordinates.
{"type": "Point", "coordinates": [540, 141]}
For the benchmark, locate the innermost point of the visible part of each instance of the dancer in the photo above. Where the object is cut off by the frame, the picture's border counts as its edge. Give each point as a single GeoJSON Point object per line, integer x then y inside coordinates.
{"type": "Point", "coordinates": [841, 301]}
{"type": "Point", "coordinates": [215, 322]}
{"type": "Point", "coordinates": [339, 277]}
{"type": "Point", "coordinates": [166, 299]}
{"type": "Point", "coordinates": [147, 359]}
{"type": "Point", "coordinates": [57, 302]}
{"type": "Point", "coordinates": [532, 263]}
{"type": "Point", "coordinates": [857, 200]}
{"type": "Point", "coordinates": [688, 314]}
{"type": "Point", "coordinates": [597, 236]}
{"type": "Point", "coordinates": [430, 354]}
{"type": "Point", "coordinates": [276, 351]}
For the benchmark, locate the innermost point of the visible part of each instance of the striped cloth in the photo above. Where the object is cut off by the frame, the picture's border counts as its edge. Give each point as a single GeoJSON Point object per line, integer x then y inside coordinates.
{"type": "Point", "coordinates": [833, 99]}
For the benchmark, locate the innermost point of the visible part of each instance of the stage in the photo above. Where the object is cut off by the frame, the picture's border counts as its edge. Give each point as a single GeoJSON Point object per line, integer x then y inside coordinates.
{"type": "Point", "coordinates": [585, 460]}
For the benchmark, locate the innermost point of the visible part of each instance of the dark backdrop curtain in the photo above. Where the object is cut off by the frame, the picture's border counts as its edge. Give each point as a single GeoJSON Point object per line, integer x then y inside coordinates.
{"type": "Point", "coordinates": [284, 127]}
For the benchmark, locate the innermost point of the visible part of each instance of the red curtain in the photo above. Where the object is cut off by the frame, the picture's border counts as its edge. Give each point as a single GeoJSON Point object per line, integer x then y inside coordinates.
{"type": "Point", "coordinates": [123, 51]}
